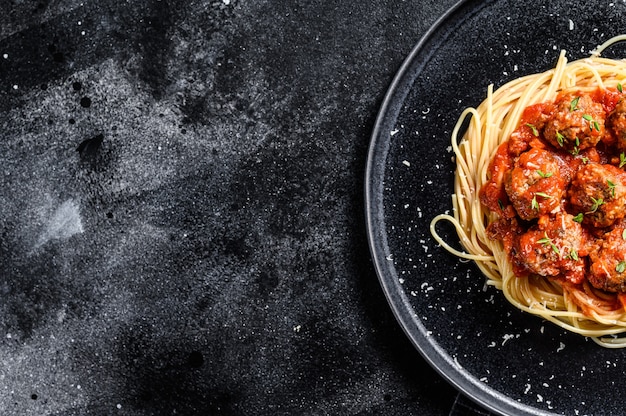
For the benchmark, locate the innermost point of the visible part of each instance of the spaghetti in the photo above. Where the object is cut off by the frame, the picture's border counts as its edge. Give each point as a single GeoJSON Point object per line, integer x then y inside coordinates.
{"type": "Point", "coordinates": [546, 248]}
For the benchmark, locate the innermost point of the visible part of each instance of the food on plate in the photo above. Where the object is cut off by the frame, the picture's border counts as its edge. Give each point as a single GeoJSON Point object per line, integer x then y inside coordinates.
{"type": "Point", "coordinates": [540, 193]}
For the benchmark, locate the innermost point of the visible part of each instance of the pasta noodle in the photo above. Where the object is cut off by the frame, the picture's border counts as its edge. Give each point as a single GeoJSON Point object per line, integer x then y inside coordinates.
{"type": "Point", "coordinates": [580, 308]}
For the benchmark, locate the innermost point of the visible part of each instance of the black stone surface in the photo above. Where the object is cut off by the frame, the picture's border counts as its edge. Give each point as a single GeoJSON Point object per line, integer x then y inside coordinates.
{"type": "Point", "coordinates": [181, 209]}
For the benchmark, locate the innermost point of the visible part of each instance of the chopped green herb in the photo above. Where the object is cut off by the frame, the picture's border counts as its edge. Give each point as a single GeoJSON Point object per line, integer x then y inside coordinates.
{"type": "Point", "coordinates": [501, 205]}
{"type": "Point", "coordinates": [611, 187]}
{"type": "Point", "coordinates": [576, 150]}
{"type": "Point", "coordinates": [548, 241]}
{"type": "Point", "coordinates": [624, 234]}
{"type": "Point", "coordinates": [585, 160]}
{"type": "Point", "coordinates": [579, 217]}
{"type": "Point", "coordinates": [573, 106]}
{"type": "Point", "coordinates": [622, 159]}
{"type": "Point", "coordinates": [573, 254]}
{"type": "Point", "coordinates": [534, 204]}
{"type": "Point", "coordinates": [534, 129]}
{"type": "Point", "coordinates": [593, 124]}
{"type": "Point", "coordinates": [619, 87]}
{"type": "Point", "coordinates": [560, 139]}
{"type": "Point", "coordinates": [544, 175]}
{"type": "Point", "coordinates": [596, 204]}
{"type": "Point", "coordinates": [621, 267]}
{"type": "Point", "coordinates": [543, 194]}
{"type": "Point", "coordinates": [545, 239]}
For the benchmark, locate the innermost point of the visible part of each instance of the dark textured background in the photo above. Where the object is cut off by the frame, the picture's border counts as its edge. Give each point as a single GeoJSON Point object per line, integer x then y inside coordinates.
{"type": "Point", "coordinates": [181, 209]}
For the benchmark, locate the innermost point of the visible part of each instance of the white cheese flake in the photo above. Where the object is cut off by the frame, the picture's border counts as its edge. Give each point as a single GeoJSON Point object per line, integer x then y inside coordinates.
{"type": "Point", "coordinates": [507, 337]}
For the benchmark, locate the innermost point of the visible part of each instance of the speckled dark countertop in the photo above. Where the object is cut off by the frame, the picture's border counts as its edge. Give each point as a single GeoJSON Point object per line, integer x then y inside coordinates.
{"type": "Point", "coordinates": [181, 209]}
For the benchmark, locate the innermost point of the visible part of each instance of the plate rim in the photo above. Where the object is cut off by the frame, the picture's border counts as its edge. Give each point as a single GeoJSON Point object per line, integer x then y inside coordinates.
{"type": "Point", "coordinates": [482, 394]}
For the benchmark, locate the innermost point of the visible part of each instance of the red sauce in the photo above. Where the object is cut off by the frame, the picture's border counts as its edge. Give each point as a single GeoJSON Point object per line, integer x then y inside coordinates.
{"type": "Point", "coordinates": [558, 187]}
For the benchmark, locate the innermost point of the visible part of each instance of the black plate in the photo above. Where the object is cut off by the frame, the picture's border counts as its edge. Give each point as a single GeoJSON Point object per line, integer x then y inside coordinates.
{"type": "Point", "coordinates": [506, 360]}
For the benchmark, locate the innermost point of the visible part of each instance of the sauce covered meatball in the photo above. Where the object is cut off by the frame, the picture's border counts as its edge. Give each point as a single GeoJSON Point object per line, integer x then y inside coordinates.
{"type": "Point", "coordinates": [576, 123]}
{"type": "Point", "coordinates": [535, 185]}
{"type": "Point", "coordinates": [554, 247]}
{"type": "Point", "coordinates": [598, 192]}
{"type": "Point", "coordinates": [608, 261]}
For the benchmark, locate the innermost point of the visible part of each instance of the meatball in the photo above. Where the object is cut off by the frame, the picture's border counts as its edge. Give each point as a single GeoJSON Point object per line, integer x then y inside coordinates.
{"type": "Point", "coordinates": [598, 192]}
{"type": "Point", "coordinates": [607, 270]}
{"type": "Point", "coordinates": [553, 248]}
{"type": "Point", "coordinates": [616, 123]}
{"type": "Point", "coordinates": [576, 123]}
{"type": "Point", "coordinates": [536, 184]}
{"type": "Point", "coordinates": [527, 133]}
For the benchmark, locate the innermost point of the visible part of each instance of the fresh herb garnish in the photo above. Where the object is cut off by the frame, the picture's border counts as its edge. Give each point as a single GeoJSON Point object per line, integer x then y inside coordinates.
{"type": "Point", "coordinates": [622, 159]}
{"type": "Point", "coordinates": [545, 239]}
{"type": "Point", "coordinates": [534, 129]}
{"type": "Point", "coordinates": [619, 87]}
{"type": "Point", "coordinates": [596, 204]}
{"type": "Point", "coordinates": [548, 241]}
{"type": "Point", "coordinates": [593, 124]}
{"type": "Point", "coordinates": [534, 204]}
{"type": "Point", "coordinates": [560, 139]}
{"type": "Point", "coordinates": [621, 266]}
{"type": "Point", "coordinates": [611, 187]}
{"type": "Point", "coordinates": [573, 106]}
{"type": "Point", "coordinates": [544, 175]}
{"type": "Point", "coordinates": [579, 217]}
{"type": "Point", "coordinates": [576, 150]}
